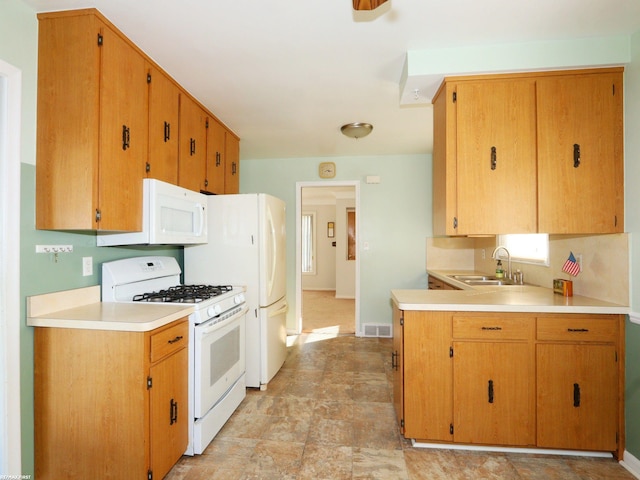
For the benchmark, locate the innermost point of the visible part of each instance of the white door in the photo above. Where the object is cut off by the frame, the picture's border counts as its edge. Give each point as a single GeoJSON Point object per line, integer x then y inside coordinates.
{"type": "Point", "coordinates": [273, 281]}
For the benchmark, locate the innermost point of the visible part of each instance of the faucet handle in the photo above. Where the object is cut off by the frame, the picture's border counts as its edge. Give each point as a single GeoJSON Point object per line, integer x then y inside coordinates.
{"type": "Point", "coordinates": [518, 277]}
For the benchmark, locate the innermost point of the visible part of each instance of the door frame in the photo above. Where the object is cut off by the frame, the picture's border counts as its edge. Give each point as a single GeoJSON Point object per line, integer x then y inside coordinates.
{"type": "Point", "coordinates": [10, 135]}
{"type": "Point", "coordinates": [299, 187]}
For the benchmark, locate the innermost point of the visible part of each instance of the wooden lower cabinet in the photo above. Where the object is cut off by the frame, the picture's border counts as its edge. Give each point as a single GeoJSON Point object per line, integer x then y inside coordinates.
{"type": "Point", "coordinates": [494, 393]}
{"type": "Point", "coordinates": [110, 404]}
{"type": "Point", "coordinates": [428, 400]}
{"type": "Point", "coordinates": [511, 379]}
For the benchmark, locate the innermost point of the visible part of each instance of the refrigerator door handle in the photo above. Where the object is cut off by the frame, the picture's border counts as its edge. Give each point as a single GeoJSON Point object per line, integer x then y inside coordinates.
{"type": "Point", "coordinates": [274, 248]}
{"type": "Point", "coordinates": [280, 311]}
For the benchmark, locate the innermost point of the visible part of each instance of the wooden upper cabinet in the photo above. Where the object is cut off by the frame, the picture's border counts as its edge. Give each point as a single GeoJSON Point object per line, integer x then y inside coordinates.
{"type": "Point", "coordinates": [215, 156]}
{"type": "Point", "coordinates": [232, 164]}
{"type": "Point", "coordinates": [192, 161]}
{"type": "Point", "coordinates": [164, 104]}
{"type": "Point", "coordinates": [524, 153]}
{"type": "Point", "coordinates": [496, 156]}
{"type": "Point", "coordinates": [92, 125]}
{"type": "Point", "coordinates": [580, 153]}
{"type": "Point", "coordinates": [445, 212]}
{"type": "Point", "coordinates": [108, 117]}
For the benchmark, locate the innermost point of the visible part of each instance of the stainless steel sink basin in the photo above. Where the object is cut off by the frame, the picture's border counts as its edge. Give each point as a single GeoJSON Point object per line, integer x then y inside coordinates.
{"type": "Point", "coordinates": [488, 282]}
{"type": "Point", "coordinates": [478, 280]}
{"type": "Point", "coordinates": [466, 278]}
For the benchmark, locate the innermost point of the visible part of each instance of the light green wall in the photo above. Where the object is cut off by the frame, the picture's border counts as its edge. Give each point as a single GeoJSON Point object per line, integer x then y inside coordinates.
{"type": "Point", "coordinates": [632, 222]}
{"type": "Point", "coordinates": [40, 273]}
{"type": "Point", "coordinates": [394, 216]}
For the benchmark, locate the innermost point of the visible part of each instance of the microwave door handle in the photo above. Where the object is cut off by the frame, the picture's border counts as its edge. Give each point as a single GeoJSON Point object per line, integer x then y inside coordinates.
{"type": "Point", "coordinates": [201, 211]}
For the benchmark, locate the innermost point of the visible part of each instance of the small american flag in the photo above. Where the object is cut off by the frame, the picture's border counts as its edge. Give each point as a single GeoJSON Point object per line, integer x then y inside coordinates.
{"type": "Point", "coordinates": [571, 266]}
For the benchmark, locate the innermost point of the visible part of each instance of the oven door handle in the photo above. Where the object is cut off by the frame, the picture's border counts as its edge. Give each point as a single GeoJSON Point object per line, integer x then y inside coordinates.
{"type": "Point", "coordinates": [226, 321]}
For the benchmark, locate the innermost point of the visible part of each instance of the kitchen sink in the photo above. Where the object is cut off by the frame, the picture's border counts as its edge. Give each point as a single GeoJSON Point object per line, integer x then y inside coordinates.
{"type": "Point", "coordinates": [478, 280]}
{"type": "Point", "coordinates": [466, 278]}
{"type": "Point", "coordinates": [488, 282]}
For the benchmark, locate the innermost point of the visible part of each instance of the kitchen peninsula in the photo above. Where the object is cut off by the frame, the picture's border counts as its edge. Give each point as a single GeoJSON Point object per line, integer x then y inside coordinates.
{"type": "Point", "coordinates": [513, 366]}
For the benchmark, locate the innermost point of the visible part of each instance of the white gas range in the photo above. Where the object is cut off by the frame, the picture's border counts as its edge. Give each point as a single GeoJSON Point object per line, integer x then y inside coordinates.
{"type": "Point", "coordinates": [216, 338]}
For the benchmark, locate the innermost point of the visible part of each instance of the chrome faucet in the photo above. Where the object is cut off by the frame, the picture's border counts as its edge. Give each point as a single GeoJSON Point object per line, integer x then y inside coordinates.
{"type": "Point", "coordinates": [495, 257]}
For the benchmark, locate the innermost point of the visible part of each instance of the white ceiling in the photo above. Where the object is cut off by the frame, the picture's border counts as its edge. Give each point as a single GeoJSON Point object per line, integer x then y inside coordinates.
{"type": "Point", "coordinates": [285, 75]}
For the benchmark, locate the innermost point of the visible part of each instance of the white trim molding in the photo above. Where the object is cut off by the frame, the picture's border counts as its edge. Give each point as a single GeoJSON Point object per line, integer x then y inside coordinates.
{"type": "Point", "coordinates": [634, 317]}
{"type": "Point", "coordinates": [10, 122]}
{"type": "Point", "coordinates": [631, 463]}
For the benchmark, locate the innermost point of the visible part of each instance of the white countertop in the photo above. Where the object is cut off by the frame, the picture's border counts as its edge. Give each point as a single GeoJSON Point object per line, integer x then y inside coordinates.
{"type": "Point", "coordinates": [505, 298]}
{"type": "Point", "coordinates": [82, 308]}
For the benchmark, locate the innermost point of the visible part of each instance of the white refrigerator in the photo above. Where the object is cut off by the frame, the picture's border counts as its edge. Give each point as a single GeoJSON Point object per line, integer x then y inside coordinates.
{"type": "Point", "coordinates": [246, 246]}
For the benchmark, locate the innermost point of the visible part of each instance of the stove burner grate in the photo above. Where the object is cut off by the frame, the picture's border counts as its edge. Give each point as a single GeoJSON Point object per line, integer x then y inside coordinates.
{"type": "Point", "coordinates": [184, 294]}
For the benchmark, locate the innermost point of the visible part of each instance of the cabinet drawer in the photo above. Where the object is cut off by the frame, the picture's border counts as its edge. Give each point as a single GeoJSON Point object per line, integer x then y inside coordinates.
{"type": "Point", "coordinates": [169, 340]}
{"type": "Point", "coordinates": [578, 329]}
{"type": "Point", "coordinates": [493, 327]}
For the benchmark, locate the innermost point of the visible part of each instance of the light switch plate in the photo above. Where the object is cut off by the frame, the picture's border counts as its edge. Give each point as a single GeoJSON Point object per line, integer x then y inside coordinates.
{"type": "Point", "coordinates": [87, 266]}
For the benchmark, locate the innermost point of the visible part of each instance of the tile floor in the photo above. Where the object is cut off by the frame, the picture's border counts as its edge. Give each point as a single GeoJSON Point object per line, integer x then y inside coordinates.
{"type": "Point", "coordinates": [328, 415]}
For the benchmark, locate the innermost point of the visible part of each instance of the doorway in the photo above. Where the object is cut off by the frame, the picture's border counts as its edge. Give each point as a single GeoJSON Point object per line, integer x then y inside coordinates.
{"type": "Point", "coordinates": [327, 270]}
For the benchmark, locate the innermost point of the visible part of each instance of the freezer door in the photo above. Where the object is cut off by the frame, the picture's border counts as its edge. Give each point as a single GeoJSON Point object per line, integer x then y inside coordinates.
{"type": "Point", "coordinates": [272, 249]}
{"type": "Point", "coordinates": [273, 348]}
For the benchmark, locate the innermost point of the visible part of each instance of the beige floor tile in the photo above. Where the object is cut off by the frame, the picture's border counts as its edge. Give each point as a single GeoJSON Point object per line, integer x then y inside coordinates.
{"type": "Point", "coordinates": [321, 462]}
{"type": "Point", "coordinates": [371, 463]}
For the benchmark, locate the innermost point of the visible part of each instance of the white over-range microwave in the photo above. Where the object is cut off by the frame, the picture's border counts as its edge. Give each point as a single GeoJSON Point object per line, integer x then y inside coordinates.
{"type": "Point", "coordinates": [171, 215]}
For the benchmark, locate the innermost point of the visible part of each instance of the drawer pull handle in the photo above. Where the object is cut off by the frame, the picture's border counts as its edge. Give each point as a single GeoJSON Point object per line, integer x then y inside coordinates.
{"type": "Point", "coordinates": [576, 395]}
{"type": "Point", "coordinates": [490, 391]}
{"type": "Point", "coordinates": [577, 329]}
{"type": "Point", "coordinates": [177, 339]}
{"type": "Point", "coordinates": [491, 328]}
{"type": "Point", "coordinates": [173, 412]}
{"type": "Point", "coordinates": [126, 137]}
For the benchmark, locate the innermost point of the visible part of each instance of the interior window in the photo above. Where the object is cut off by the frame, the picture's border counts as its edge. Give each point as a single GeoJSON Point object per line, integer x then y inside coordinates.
{"type": "Point", "coordinates": [308, 242]}
{"type": "Point", "coordinates": [525, 247]}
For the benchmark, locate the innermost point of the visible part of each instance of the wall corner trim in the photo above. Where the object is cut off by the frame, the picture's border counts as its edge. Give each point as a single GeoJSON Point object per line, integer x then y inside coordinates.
{"type": "Point", "coordinates": [634, 317]}
{"type": "Point", "coordinates": [631, 463]}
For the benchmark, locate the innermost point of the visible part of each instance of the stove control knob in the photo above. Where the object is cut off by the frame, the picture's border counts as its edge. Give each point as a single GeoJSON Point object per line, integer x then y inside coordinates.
{"type": "Point", "coordinates": [213, 310]}
{"type": "Point", "coordinates": [238, 299]}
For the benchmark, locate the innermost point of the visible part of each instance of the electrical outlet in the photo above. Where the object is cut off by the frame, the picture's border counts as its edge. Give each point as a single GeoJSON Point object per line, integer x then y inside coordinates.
{"type": "Point", "coordinates": [579, 260]}
{"type": "Point", "coordinates": [87, 266]}
{"type": "Point", "coordinates": [484, 254]}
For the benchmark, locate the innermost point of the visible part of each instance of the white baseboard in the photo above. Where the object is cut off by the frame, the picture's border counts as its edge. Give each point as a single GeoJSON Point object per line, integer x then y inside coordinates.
{"type": "Point", "coordinates": [487, 448]}
{"type": "Point", "coordinates": [631, 463]}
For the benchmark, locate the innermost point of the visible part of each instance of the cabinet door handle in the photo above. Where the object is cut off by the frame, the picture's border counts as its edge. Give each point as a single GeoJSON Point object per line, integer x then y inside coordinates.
{"type": "Point", "coordinates": [217, 159]}
{"type": "Point", "coordinates": [576, 155]}
{"type": "Point", "coordinates": [177, 339]}
{"type": "Point", "coordinates": [394, 362]}
{"type": "Point", "coordinates": [167, 131]}
{"type": "Point", "coordinates": [494, 158]}
{"type": "Point", "coordinates": [234, 170]}
{"type": "Point", "coordinates": [490, 391]}
{"type": "Point", "coordinates": [173, 412]}
{"type": "Point", "coordinates": [126, 137]}
{"type": "Point", "coordinates": [576, 395]}
{"type": "Point", "coordinates": [192, 147]}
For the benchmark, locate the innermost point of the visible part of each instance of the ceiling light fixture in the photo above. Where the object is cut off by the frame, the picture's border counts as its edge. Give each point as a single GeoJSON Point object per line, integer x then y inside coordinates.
{"type": "Point", "coordinates": [356, 129]}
